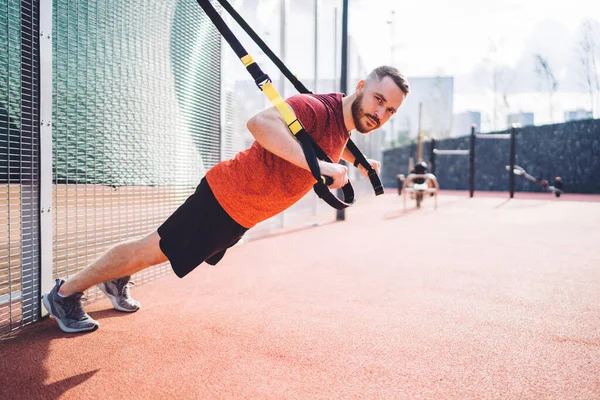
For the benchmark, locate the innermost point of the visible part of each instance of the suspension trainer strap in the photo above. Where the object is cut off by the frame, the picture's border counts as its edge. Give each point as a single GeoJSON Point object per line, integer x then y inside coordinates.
{"type": "Point", "coordinates": [265, 84]}
{"type": "Point", "coordinates": [362, 160]}
{"type": "Point", "coordinates": [351, 146]}
{"type": "Point", "coordinates": [263, 46]}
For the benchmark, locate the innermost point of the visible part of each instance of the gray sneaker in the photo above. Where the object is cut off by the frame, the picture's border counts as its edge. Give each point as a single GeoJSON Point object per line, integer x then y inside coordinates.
{"type": "Point", "coordinates": [68, 311]}
{"type": "Point", "coordinates": [118, 292]}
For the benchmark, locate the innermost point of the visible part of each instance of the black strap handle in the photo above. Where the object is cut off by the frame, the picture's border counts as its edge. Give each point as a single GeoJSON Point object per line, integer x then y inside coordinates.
{"type": "Point", "coordinates": [362, 160]}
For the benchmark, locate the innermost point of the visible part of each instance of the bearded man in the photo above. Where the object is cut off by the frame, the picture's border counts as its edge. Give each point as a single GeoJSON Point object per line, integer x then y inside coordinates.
{"type": "Point", "coordinates": [236, 194]}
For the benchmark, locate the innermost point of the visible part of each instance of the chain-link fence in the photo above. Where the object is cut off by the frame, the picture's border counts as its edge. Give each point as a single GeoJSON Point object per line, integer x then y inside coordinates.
{"type": "Point", "coordinates": [19, 164]}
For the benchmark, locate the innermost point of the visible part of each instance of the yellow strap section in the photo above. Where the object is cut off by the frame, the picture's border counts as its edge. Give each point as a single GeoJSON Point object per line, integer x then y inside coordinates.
{"type": "Point", "coordinates": [283, 108]}
{"type": "Point", "coordinates": [295, 127]}
{"type": "Point", "coordinates": [247, 60]}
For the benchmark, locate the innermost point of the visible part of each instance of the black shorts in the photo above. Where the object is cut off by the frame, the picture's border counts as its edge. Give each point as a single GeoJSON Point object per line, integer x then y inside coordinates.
{"type": "Point", "coordinates": [199, 230]}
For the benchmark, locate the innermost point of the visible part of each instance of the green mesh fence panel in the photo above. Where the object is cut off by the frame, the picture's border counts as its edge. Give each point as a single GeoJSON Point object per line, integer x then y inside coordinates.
{"type": "Point", "coordinates": [136, 84]}
{"type": "Point", "coordinates": [136, 110]}
{"type": "Point", "coordinates": [19, 164]}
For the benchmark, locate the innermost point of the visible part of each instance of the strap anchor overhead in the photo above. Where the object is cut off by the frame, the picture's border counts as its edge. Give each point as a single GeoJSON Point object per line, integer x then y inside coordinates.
{"type": "Point", "coordinates": [311, 150]}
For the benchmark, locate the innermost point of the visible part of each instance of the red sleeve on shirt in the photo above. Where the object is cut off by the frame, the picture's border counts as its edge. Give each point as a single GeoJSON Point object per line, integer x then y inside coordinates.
{"type": "Point", "coordinates": [307, 110]}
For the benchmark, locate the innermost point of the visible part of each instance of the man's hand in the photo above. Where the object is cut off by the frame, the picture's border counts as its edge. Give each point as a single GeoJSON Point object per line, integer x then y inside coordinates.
{"type": "Point", "coordinates": [338, 172]}
{"type": "Point", "coordinates": [374, 163]}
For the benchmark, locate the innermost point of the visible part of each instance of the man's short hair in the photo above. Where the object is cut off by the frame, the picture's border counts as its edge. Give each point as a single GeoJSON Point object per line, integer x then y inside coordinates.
{"type": "Point", "coordinates": [398, 77]}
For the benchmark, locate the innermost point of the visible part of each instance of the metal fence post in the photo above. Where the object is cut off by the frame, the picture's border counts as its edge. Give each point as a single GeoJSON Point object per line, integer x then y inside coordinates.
{"type": "Point", "coordinates": [46, 210]}
{"type": "Point", "coordinates": [432, 156]}
{"type": "Point", "coordinates": [341, 214]}
{"type": "Point", "coordinates": [511, 171]}
{"type": "Point", "coordinates": [472, 163]}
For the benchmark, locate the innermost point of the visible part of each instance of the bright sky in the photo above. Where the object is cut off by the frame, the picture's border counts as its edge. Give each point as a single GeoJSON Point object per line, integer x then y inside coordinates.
{"type": "Point", "coordinates": [452, 36]}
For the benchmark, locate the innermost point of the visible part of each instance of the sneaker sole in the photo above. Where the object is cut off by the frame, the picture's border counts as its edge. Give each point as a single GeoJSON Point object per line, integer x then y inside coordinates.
{"type": "Point", "coordinates": [62, 326]}
{"type": "Point", "coordinates": [113, 300]}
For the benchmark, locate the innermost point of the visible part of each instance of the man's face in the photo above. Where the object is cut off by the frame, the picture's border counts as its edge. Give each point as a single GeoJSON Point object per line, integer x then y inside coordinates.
{"type": "Point", "coordinates": [375, 104]}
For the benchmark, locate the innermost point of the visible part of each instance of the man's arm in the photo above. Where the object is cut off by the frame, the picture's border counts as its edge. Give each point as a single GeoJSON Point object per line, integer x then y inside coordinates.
{"type": "Point", "coordinates": [349, 157]}
{"type": "Point", "coordinates": [270, 130]}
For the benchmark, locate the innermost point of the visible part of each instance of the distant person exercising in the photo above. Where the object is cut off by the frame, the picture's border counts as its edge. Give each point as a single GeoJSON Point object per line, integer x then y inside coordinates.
{"type": "Point", "coordinates": [420, 168]}
{"type": "Point", "coordinates": [236, 194]}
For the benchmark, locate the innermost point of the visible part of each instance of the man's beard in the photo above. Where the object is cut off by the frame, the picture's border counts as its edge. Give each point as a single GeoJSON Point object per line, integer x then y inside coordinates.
{"type": "Point", "coordinates": [358, 114]}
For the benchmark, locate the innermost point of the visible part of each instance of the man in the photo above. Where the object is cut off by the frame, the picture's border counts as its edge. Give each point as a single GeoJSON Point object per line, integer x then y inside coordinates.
{"type": "Point", "coordinates": [236, 194]}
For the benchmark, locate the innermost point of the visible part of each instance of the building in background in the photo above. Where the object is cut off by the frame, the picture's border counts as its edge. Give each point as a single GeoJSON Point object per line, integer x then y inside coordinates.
{"type": "Point", "coordinates": [462, 122]}
{"type": "Point", "coordinates": [521, 119]}
{"type": "Point", "coordinates": [436, 94]}
{"type": "Point", "coordinates": [578, 114]}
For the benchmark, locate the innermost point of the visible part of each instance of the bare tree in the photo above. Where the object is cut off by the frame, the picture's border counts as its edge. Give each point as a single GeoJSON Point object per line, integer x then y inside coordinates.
{"type": "Point", "coordinates": [438, 112]}
{"type": "Point", "coordinates": [588, 51]}
{"type": "Point", "coordinates": [502, 79]}
{"type": "Point", "coordinates": [497, 73]}
{"type": "Point", "coordinates": [545, 74]}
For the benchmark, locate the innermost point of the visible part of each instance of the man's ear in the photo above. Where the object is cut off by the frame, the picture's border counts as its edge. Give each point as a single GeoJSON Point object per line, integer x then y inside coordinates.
{"type": "Point", "coordinates": [360, 86]}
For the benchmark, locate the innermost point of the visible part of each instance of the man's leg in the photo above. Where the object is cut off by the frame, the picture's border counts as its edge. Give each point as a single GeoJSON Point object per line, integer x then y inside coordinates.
{"type": "Point", "coordinates": [124, 259]}
{"type": "Point", "coordinates": [64, 300]}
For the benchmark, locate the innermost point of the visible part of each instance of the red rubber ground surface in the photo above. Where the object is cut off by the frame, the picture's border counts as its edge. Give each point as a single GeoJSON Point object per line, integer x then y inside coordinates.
{"type": "Point", "coordinates": [483, 298]}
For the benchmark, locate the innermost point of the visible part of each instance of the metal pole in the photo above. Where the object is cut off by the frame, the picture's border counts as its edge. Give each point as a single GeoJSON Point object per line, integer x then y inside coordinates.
{"type": "Point", "coordinates": [46, 211]}
{"type": "Point", "coordinates": [282, 45]}
{"type": "Point", "coordinates": [432, 157]}
{"type": "Point", "coordinates": [316, 85]}
{"type": "Point", "coordinates": [511, 172]}
{"type": "Point", "coordinates": [391, 22]}
{"type": "Point", "coordinates": [472, 163]}
{"type": "Point", "coordinates": [335, 49]}
{"type": "Point", "coordinates": [344, 70]}
{"type": "Point", "coordinates": [341, 214]}
{"type": "Point", "coordinates": [282, 20]}
{"type": "Point", "coordinates": [420, 135]}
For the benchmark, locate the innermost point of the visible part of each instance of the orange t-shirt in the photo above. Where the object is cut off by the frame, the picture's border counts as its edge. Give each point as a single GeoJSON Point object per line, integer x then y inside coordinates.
{"type": "Point", "coordinates": [256, 184]}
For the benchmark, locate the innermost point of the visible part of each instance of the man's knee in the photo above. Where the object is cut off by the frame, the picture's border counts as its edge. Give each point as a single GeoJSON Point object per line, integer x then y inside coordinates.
{"type": "Point", "coordinates": [147, 250]}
